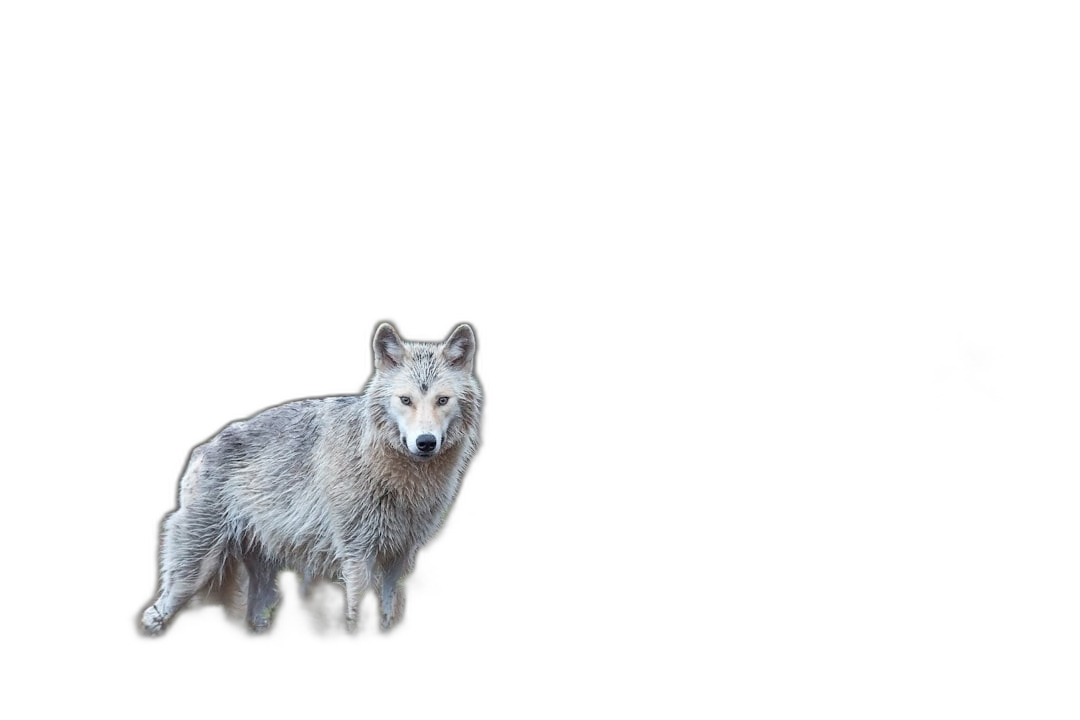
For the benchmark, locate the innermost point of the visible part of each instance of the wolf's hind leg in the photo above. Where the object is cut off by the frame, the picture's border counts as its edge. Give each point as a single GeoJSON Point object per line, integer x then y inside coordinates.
{"type": "Point", "coordinates": [263, 594]}
{"type": "Point", "coordinates": [192, 549]}
{"type": "Point", "coordinates": [227, 589]}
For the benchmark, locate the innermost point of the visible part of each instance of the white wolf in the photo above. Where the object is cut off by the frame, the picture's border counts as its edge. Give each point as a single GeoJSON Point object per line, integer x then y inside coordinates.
{"type": "Point", "coordinates": [345, 488]}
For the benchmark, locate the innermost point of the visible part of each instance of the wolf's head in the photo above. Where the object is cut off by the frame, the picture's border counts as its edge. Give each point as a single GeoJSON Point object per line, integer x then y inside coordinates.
{"type": "Point", "coordinates": [426, 391]}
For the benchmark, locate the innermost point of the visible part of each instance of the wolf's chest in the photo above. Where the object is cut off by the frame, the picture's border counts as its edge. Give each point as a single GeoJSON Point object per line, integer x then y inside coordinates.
{"type": "Point", "coordinates": [406, 514]}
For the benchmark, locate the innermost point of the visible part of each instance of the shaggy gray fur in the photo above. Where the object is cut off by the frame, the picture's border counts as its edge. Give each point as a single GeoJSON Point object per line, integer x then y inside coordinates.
{"type": "Point", "coordinates": [333, 488]}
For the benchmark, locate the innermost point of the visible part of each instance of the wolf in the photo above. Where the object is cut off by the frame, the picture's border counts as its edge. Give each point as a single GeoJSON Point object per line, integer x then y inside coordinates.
{"type": "Point", "coordinates": [343, 488]}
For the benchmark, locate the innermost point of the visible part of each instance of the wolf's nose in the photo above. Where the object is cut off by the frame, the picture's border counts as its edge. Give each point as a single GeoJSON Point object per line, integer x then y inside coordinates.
{"type": "Point", "coordinates": [426, 443]}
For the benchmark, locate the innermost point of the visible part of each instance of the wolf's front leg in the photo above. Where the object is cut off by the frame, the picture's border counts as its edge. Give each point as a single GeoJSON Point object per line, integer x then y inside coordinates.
{"type": "Point", "coordinates": [392, 589]}
{"type": "Point", "coordinates": [357, 575]}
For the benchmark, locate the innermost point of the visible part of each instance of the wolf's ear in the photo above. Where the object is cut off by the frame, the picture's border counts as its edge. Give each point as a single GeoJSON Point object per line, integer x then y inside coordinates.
{"type": "Point", "coordinates": [389, 352]}
{"type": "Point", "coordinates": [460, 347]}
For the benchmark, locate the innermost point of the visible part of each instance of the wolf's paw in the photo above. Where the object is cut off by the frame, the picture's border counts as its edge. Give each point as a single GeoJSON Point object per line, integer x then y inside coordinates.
{"type": "Point", "coordinates": [152, 621]}
{"type": "Point", "coordinates": [259, 624]}
{"type": "Point", "coordinates": [352, 624]}
{"type": "Point", "coordinates": [389, 622]}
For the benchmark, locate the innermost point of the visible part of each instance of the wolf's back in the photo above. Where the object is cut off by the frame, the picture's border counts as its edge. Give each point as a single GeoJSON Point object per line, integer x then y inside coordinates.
{"type": "Point", "coordinates": [260, 475]}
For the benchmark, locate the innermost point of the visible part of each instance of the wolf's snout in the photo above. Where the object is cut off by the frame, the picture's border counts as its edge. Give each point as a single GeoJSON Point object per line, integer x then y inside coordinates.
{"type": "Point", "coordinates": [426, 443]}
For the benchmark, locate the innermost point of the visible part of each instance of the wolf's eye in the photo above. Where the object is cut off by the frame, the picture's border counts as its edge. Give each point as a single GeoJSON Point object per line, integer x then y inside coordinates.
{"type": "Point", "coordinates": [405, 400]}
{"type": "Point", "coordinates": [443, 400]}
